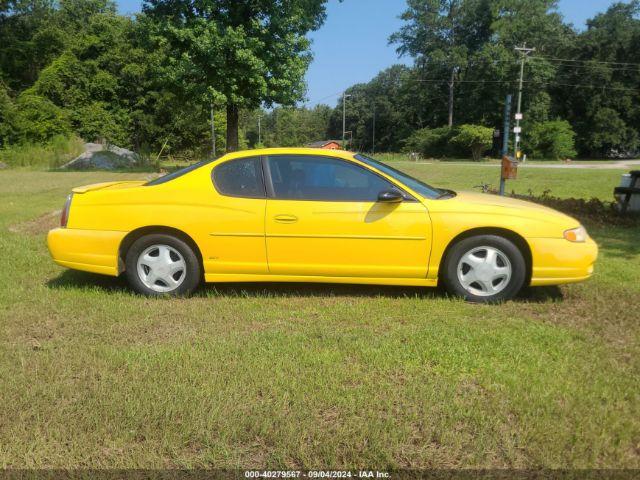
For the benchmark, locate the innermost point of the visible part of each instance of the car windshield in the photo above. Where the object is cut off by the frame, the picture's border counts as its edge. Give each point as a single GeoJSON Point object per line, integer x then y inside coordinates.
{"type": "Point", "coordinates": [416, 185]}
{"type": "Point", "coordinates": [178, 173]}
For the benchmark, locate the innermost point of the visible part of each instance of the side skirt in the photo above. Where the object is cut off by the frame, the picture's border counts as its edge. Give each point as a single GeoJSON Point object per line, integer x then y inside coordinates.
{"type": "Point", "coordinates": [410, 282]}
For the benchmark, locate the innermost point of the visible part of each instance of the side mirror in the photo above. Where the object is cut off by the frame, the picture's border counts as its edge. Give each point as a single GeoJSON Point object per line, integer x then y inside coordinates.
{"type": "Point", "coordinates": [390, 196]}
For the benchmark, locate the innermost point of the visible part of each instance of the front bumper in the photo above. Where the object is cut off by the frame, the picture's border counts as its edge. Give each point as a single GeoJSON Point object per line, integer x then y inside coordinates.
{"type": "Point", "coordinates": [89, 250]}
{"type": "Point", "coordinates": [556, 260]}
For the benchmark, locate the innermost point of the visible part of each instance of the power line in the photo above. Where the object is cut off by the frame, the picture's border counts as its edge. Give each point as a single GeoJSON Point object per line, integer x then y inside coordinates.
{"type": "Point", "coordinates": [558, 61]}
{"type": "Point", "coordinates": [533, 82]}
{"type": "Point", "coordinates": [324, 98]}
{"type": "Point", "coordinates": [591, 64]}
{"type": "Point", "coordinates": [573, 60]}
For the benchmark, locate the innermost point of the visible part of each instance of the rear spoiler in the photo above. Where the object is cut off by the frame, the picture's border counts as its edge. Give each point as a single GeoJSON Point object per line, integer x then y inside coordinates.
{"type": "Point", "coordinates": [100, 186]}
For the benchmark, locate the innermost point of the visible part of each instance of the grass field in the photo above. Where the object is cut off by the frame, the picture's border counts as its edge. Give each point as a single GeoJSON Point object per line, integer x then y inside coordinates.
{"type": "Point", "coordinates": [310, 375]}
{"type": "Point", "coordinates": [578, 183]}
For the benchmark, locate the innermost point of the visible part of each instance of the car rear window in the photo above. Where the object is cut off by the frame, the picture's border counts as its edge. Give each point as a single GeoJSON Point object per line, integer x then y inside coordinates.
{"type": "Point", "coordinates": [240, 178]}
{"type": "Point", "coordinates": [178, 173]}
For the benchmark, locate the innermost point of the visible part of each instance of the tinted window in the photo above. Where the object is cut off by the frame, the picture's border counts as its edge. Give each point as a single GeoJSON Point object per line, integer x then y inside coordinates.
{"type": "Point", "coordinates": [177, 173]}
{"type": "Point", "coordinates": [422, 188]}
{"type": "Point", "coordinates": [240, 178]}
{"type": "Point", "coordinates": [322, 178]}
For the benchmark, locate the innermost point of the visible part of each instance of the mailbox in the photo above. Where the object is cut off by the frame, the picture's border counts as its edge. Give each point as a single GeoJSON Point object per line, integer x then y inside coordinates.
{"type": "Point", "coordinates": [509, 168]}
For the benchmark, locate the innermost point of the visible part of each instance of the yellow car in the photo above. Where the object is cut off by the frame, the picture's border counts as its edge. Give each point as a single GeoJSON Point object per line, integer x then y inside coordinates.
{"type": "Point", "coordinates": [308, 215]}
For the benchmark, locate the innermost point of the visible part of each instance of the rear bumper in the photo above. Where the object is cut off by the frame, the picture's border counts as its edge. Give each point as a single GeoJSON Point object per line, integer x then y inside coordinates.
{"type": "Point", "coordinates": [89, 250]}
{"type": "Point", "coordinates": [556, 260]}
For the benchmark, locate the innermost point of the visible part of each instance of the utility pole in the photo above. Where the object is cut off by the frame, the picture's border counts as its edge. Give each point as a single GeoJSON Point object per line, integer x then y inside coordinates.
{"type": "Point", "coordinates": [451, 87]}
{"type": "Point", "coordinates": [505, 137]}
{"type": "Point", "coordinates": [344, 117]}
{"type": "Point", "coordinates": [524, 52]}
{"type": "Point", "coordinates": [213, 133]}
{"type": "Point", "coordinates": [259, 130]}
{"type": "Point", "coordinates": [373, 133]}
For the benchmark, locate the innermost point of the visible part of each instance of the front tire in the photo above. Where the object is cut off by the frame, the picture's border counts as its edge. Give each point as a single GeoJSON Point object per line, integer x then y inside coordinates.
{"type": "Point", "coordinates": [160, 264]}
{"type": "Point", "coordinates": [484, 269]}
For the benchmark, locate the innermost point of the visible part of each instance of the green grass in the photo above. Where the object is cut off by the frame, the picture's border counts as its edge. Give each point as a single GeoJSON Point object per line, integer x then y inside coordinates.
{"type": "Point", "coordinates": [311, 375]}
{"type": "Point", "coordinates": [578, 183]}
{"type": "Point", "coordinates": [403, 157]}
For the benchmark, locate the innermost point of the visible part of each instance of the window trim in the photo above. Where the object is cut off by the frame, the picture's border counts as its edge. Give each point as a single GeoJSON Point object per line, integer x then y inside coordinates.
{"type": "Point", "coordinates": [260, 160]}
{"type": "Point", "coordinates": [407, 197]}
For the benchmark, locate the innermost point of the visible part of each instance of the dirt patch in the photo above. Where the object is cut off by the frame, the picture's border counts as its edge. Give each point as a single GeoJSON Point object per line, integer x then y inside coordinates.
{"type": "Point", "coordinates": [39, 225]}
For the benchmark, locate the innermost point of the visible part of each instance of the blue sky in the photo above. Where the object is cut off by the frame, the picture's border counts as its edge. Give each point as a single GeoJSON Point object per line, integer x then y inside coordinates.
{"type": "Point", "coordinates": [352, 47]}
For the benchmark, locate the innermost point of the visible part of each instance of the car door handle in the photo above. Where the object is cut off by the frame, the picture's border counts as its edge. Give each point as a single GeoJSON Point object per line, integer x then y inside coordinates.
{"type": "Point", "coordinates": [285, 218]}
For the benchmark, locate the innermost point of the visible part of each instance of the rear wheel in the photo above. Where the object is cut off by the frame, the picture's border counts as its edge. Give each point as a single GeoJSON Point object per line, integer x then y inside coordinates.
{"type": "Point", "coordinates": [161, 264]}
{"type": "Point", "coordinates": [484, 269]}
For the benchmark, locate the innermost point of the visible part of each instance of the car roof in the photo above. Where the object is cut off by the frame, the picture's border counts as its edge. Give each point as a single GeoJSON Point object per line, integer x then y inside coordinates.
{"type": "Point", "coordinates": [290, 151]}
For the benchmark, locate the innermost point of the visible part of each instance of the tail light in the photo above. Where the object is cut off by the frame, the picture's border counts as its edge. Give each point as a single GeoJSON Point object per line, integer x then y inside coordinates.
{"type": "Point", "coordinates": [64, 218]}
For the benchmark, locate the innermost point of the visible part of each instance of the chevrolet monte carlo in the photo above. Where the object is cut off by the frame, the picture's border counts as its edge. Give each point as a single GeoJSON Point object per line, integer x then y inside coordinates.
{"type": "Point", "coordinates": [308, 215]}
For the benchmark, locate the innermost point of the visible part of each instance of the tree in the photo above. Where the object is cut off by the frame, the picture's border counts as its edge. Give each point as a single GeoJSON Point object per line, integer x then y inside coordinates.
{"type": "Point", "coordinates": [389, 98]}
{"type": "Point", "coordinates": [554, 139]}
{"type": "Point", "coordinates": [476, 138]}
{"type": "Point", "coordinates": [430, 142]}
{"type": "Point", "coordinates": [432, 35]}
{"type": "Point", "coordinates": [39, 120]}
{"type": "Point", "coordinates": [8, 113]}
{"type": "Point", "coordinates": [610, 135]}
{"type": "Point", "coordinates": [287, 127]}
{"type": "Point", "coordinates": [242, 53]}
{"type": "Point", "coordinates": [464, 51]}
{"type": "Point", "coordinates": [601, 91]}
{"type": "Point", "coordinates": [30, 37]}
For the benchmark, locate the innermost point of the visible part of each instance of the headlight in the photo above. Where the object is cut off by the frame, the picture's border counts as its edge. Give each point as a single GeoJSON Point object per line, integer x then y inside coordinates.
{"type": "Point", "coordinates": [576, 234]}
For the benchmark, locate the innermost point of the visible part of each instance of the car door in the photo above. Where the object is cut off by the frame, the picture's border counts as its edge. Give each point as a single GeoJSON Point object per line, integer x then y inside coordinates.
{"type": "Point", "coordinates": [323, 219]}
{"type": "Point", "coordinates": [235, 241]}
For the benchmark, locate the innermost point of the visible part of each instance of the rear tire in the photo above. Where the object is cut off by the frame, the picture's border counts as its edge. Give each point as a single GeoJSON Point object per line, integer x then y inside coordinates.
{"type": "Point", "coordinates": [484, 269]}
{"type": "Point", "coordinates": [161, 264]}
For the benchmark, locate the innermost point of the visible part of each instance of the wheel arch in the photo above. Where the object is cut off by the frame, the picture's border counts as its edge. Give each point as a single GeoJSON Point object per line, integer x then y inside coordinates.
{"type": "Point", "coordinates": [518, 240]}
{"type": "Point", "coordinates": [134, 235]}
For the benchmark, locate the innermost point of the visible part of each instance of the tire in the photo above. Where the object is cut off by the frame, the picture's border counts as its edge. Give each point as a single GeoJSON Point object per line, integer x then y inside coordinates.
{"type": "Point", "coordinates": [484, 269]}
{"type": "Point", "coordinates": [161, 264]}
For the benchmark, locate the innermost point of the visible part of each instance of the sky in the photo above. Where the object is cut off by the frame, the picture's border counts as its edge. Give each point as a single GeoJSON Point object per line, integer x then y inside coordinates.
{"type": "Point", "coordinates": [352, 46]}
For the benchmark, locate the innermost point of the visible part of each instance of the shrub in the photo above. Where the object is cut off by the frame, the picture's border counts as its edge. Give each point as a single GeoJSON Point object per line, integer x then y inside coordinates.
{"type": "Point", "coordinates": [554, 139]}
{"type": "Point", "coordinates": [8, 133]}
{"type": "Point", "coordinates": [96, 122]}
{"type": "Point", "coordinates": [474, 138]}
{"type": "Point", "coordinates": [430, 142]}
{"type": "Point", "coordinates": [38, 119]}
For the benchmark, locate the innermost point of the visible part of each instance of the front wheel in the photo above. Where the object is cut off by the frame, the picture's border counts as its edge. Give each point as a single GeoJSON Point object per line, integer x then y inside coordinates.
{"type": "Point", "coordinates": [484, 269]}
{"type": "Point", "coordinates": [161, 264]}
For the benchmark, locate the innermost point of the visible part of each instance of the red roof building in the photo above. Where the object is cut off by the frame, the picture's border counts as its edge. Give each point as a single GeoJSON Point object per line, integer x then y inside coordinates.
{"type": "Point", "coordinates": [328, 144]}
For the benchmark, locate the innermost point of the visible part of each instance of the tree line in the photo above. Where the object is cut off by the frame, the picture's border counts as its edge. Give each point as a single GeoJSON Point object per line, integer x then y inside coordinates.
{"type": "Point", "coordinates": [151, 81]}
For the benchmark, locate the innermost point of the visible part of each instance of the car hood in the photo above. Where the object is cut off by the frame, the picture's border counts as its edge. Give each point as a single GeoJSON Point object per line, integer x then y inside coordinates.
{"type": "Point", "coordinates": [483, 203]}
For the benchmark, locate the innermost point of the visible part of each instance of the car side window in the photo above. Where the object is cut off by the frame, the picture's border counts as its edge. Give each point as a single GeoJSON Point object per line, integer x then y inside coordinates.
{"type": "Point", "coordinates": [309, 177]}
{"type": "Point", "coordinates": [240, 178]}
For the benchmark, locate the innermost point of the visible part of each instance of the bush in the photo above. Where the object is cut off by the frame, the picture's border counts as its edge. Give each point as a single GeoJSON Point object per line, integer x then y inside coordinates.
{"type": "Point", "coordinates": [8, 133]}
{"type": "Point", "coordinates": [38, 120]}
{"type": "Point", "coordinates": [554, 139]}
{"type": "Point", "coordinates": [95, 122]}
{"type": "Point", "coordinates": [430, 142]}
{"type": "Point", "coordinates": [474, 138]}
